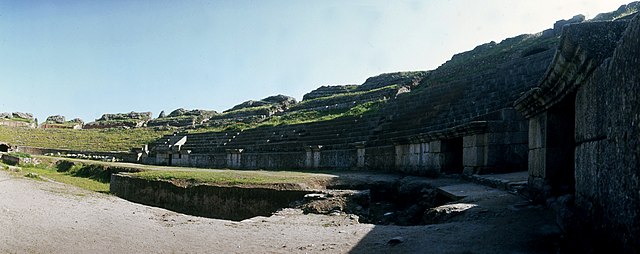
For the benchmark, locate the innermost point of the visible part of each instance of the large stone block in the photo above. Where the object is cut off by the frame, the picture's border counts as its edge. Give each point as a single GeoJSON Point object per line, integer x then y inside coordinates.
{"type": "Point", "coordinates": [538, 131]}
{"type": "Point", "coordinates": [473, 156]}
{"type": "Point", "coordinates": [474, 140]}
{"type": "Point", "coordinates": [435, 162]}
{"type": "Point", "coordinates": [591, 110]}
{"type": "Point", "coordinates": [589, 166]}
{"type": "Point", "coordinates": [435, 146]}
{"type": "Point", "coordinates": [536, 163]}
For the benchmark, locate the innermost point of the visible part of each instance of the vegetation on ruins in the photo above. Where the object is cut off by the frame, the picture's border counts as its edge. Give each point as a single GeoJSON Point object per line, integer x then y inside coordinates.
{"type": "Point", "coordinates": [255, 110]}
{"type": "Point", "coordinates": [486, 57]}
{"type": "Point", "coordinates": [621, 12]}
{"type": "Point", "coordinates": [298, 117]}
{"type": "Point", "coordinates": [95, 176]}
{"type": "Point", "coordinates": [48, 170]}
{"type": "Point", "coordinates": [226, 177]}
{"type": "Point", "coordinates": [82, 140]}
{"type": "Point", "coordinates": [16, 119]}
{"type": "Point", "coordinates": [323, 104]}
{"type": "Point", "coordinates": [344, 97]}
{"type": "Point", "coordinates": [68, 124]}
{"type": "Point", "coordinates": [20, 154]}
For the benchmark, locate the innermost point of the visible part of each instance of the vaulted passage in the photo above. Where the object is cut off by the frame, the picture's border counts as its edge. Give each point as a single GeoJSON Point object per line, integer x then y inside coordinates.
{"type": "Point", "coordinates": [552, 149]}
{"type": "Point", "coordinates": [561, 146]}
{"type": "Point", "coordinates": [452, 149]}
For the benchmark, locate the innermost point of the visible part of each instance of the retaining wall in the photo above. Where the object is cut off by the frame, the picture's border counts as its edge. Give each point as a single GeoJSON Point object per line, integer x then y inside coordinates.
{"type": "Point", "coordinates": [121, 156]}
{"type": "Point", "coordinates": [231, 203]}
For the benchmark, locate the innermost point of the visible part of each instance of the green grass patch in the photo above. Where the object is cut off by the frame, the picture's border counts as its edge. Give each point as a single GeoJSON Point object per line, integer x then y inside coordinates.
{"type": "Point", "coordinates": [82, 140]}
{"type": "Point", "coordinates": [226, 177]}
{"type": "Point", "coordinates": [16, 119]}
{"type": "Point", "coordinates": [20, 154]}
{"type": "Point", "coordinates": [332, 99]}
{"type": "Point", "coordinates": [67, 178]}
{"type": "Point", "coordinates": [67, 124]}
{"type": "Point", "coordinates": [262, 108]}
{"type": "Point", "coordinates": [84, 174]}
{"type": "Point", "coordinates": [299, 117]}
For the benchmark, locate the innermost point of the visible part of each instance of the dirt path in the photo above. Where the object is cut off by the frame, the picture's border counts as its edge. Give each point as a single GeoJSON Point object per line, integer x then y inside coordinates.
{"type": "Point", "coordinates": [47, 217]}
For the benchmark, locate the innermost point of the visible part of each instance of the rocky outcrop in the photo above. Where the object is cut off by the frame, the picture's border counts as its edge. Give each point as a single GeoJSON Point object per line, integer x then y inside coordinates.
{"type": "Point", "coordinates": [254, 111]}
{"type": "Point", "coordinates": [624, 11]}
{"type": "Point", "coordinates": [55, 119]}
{"type": "Point", "coordinates": [59, 122]}
{"type": "Point", "coordinates": [248, 104]}
{"type": "Point", "coordinates": [21, 115]}
{"type": "Point", "coordinates": [326, 91]}
{"type": "Point", "coordinates": [285, 101]}
{"type": "Point", "coordinates": [277, 101]}
{"type": "Point", "coordinates": [17, 116]}
{"type": "Point", "coordinates": [17, 119]}
{"type": "Point", "coordinates": [182, 118]}
{"type": "Point", "coordinates": [194, 112]}
{"type": "Point", "coordinates": [374, 89]}
{"type": "Point", "coordinates": [347, 100]}
{"type": "Point", "coordinates": [144, 116]}
{"type": "Point", "coordinates": [561, 23]}
{"type": "Point", "coordinates": [410, 79]}
{"type": "Point", "coordinates": [120, 120]}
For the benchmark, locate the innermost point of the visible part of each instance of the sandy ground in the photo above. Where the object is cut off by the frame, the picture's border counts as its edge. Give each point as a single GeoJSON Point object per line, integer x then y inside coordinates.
{"type": "Point", "coordinates": [49, 217]}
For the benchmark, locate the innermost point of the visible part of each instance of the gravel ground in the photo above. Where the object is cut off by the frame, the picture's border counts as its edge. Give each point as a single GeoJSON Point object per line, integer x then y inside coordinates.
{"type": "Point", "coordinates": [49, 217]}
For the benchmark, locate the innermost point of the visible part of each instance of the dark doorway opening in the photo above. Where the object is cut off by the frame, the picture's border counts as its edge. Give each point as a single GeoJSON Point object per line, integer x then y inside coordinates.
{"type": "Point", "coordinates": [452, 149]}
{"type": "Point", "coordinates": [4, 148]}
{"type": "Point", "coordinates": [170, 161]}
{"type": "Point", "coordinates": [561, 146]}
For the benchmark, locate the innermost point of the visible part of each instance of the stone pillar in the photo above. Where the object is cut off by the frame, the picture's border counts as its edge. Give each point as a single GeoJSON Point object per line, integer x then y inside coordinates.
{"type": "Point", "coordinates": [234, 158]}
{"type": "Point", "coordinates": [415, 151]}
{"type": "Point", "coordinates": [313, 156]}
{"type": "Point", "coordinates": [181, 158]}
{"type": "Point", "coordinates": [474, 153]}
{"type": "Point", "coordinates": [552, 150]}
{"type": "Point", "coordinates": [360, 153]}
{"type": "Point", "coordinates": [308, 162]}
{"type": "Point", "coordinates": [434, 158]}
{"type": "Point", "coordinates": [400, 154]}
{"type": "Point", "coordinates": [421, 157]}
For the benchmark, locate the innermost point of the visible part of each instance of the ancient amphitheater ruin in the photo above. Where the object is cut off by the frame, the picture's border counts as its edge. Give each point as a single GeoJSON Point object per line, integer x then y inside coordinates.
{"type": "Point", "coordinates": [567, 109]}
{"type": "Point", "coordinates": [563, 104]}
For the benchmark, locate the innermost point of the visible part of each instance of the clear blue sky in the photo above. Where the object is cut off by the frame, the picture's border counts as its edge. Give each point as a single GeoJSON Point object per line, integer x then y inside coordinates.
{"type": "Point", "coordinates": [85, 58]}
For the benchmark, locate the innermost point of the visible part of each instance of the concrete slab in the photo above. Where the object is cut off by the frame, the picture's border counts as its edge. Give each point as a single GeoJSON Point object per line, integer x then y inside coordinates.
{"type": "Point", "coordinates": [460, 191]}
{"type": "Point", "coordinates": [509, 181]}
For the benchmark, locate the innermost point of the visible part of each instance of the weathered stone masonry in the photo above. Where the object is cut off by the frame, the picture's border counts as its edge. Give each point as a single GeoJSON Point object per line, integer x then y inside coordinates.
{"type": "Point", "coordinates": [466, 124]}
{"type": "Point", "coordinates": [574, 125]}
{"type": "Point", "coordinates": [584, 128]}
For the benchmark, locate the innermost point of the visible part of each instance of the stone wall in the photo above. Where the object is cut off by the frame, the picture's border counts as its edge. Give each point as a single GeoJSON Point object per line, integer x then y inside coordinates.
{"type": "Point", "coordinates": [221, 202]}
{"type": "Point", "coordinates": [11, 123]}
{"type": "Point", "coordinates": [326, 91]}
{"type": "Point", "coordinates": [120, 156]}
{"type": "Point", "coordinates": [584, 120]}
{"type": "Point", "coordinates": [608, 148]}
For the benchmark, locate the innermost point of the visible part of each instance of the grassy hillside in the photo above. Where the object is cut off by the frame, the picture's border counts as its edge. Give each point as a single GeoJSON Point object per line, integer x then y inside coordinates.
{"type": "Point", "coordinates": [84, 140]}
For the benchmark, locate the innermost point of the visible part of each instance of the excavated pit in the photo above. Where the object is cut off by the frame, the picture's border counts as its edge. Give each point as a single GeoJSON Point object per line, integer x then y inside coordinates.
{"type": "Point", "coordinates": [382, 204]}
{"type": "Point", "coordinates": [386, 203]}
